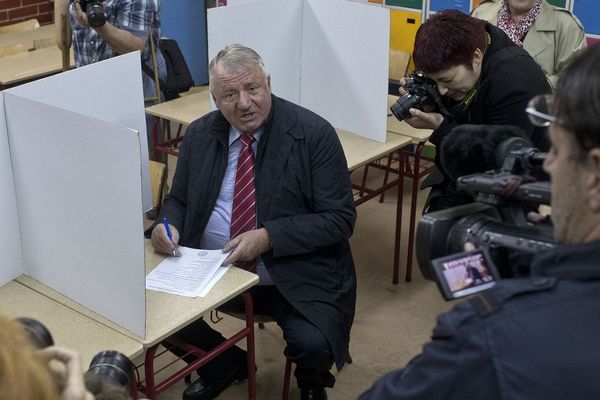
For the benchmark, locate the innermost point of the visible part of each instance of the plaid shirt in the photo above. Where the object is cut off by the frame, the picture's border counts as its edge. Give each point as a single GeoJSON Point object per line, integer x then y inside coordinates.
{"type": "Point", "coordinates": [135, 16]}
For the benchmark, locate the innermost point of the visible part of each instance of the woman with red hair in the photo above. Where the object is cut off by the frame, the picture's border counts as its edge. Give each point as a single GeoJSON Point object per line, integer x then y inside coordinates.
{"type": "Point", "coordinates": [482, 77]}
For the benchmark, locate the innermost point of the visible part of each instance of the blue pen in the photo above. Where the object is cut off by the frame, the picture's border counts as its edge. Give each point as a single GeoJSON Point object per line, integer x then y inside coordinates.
{"type": "Point", "coordinates": [166, 223]}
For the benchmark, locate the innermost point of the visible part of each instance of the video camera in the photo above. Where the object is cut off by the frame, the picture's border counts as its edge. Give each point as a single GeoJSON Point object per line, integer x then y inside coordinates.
{"type": "Point", "coordinates": [421, 93]}
{"type": "Point", "coordinates": [94, 11]}
{"type": "Point", "coordinates": [110, 367]}
{"type": "Point", "coordinates": [496, 221]}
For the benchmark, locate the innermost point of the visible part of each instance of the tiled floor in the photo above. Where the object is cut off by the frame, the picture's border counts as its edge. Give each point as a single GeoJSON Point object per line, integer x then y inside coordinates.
{"type": "Point", "coordinates": [392, 321]}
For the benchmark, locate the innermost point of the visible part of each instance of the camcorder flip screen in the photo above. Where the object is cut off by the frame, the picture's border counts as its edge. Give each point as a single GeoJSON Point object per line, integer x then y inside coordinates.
{"type": "Point", "coordinates": [465, 273]}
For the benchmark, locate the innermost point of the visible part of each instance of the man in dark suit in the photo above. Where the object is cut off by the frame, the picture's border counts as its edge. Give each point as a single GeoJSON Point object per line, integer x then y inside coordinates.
{"type": "Point", "coordinates": [267, 180]}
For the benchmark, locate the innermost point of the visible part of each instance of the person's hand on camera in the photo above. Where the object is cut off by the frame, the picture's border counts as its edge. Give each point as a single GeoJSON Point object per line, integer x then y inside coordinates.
{"type": "Point", "coordinates": [72, 373]}
{"type": "Point", "coordinates": [247, 246]}
{"type": "Point", "coordinates": [80, 14]}
{"type": "Point", "coordinates": [161, 242]}
{"type": "Point", "coordinates": [401, 90]}
{"type": "Point", "coordinates": [420, 119]}
{"type": "Point", "coordinates": [424, 120]}
{"type": "Point", "coordinates": [542, 215]}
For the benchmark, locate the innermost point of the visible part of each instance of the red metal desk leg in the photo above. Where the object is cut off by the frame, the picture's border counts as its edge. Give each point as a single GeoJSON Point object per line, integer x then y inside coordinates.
{"type": "Point", "coordinates": [250, 355]}
{"type": "Point", "coordinates": [151, 389]}
{"type": "Point", "coordinates": [401, 160]}
{"type": "Point", "coordinates": [413, 209]}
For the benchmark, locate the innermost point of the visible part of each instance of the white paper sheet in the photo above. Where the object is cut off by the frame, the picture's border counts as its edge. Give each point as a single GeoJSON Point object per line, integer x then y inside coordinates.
{"type": "Point", "coordinates": [187, 275]}
{"type": "Point", "coordinates": [10, 234]}
{"type": "Point", "coordinates": [80, 207]}
{"type": "Point", "coordinates": [109, 90]}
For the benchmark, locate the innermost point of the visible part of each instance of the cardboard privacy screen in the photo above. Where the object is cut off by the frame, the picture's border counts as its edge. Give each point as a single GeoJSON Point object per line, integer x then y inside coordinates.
{"type": "Point", "coordinates": [330, 56]}
{"type": "Point", "coordinates": [74, 169]}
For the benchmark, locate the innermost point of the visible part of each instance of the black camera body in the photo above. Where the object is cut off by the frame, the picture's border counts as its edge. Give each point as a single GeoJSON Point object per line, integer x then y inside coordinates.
{"type": "Point", "coordinates": [495, 221]}
{"type": "Point", "coordinates": [37, 333]}
{"type": "Point", "coordinates": [421, 93]}
{"type": "Point", "coordinates": [94, 11]}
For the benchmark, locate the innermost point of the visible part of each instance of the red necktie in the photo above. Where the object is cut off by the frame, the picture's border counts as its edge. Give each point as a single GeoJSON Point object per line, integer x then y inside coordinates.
{"type": "Point", "coordinates": [243, 210]}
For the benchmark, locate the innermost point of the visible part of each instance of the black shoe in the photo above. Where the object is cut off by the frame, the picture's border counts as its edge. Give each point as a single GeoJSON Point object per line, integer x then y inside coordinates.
{"type": "Point", "coordinates": [201, 390]}
{"type": "Point", "coordinates": [314, 393]}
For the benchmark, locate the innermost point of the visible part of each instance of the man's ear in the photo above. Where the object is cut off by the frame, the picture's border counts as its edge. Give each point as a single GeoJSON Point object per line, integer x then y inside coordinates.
{"type": "Point", "coordinates": [593, 181]}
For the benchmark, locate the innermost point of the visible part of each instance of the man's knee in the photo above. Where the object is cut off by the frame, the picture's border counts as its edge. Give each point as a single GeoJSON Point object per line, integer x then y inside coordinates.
{"type": "Point", "coordinates": [308, 347]}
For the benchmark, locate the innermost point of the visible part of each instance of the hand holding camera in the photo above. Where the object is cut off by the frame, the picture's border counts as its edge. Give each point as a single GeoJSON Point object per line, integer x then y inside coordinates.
{"type": "Point", "coordinates": [90, 13]}
{"type": "Point", "coordinates": [71, 374]}
{"type": "Point", "coordinates": [109, 374]}
{"type": "Point", "coordinates": [419, 102]}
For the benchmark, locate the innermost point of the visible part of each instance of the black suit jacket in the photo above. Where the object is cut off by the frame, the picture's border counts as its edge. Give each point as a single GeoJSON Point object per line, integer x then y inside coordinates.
{"type": "Point", "coordinates": [304, 200]}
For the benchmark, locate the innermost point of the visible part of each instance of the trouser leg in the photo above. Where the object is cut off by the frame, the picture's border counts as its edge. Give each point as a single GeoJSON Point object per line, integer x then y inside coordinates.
{"type": "Point", "coordinates": [307, 347]}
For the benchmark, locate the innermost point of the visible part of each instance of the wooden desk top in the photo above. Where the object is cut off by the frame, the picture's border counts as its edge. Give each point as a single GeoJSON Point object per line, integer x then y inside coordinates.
{"type": "Point", "coordinates": [165, 313]}
{"type": "Point", "coordinates": [183, 110]}
{"type": "Point", "coordinates": [402, 128]}
{"type": "Point", "coordinates": [27, 37]}
{"type": "Point", "coordinates": [68, 327]}
{"type": "Point", "coordinates": [360, 150]}
{"type": "Point", "coordinates": [29, 65]}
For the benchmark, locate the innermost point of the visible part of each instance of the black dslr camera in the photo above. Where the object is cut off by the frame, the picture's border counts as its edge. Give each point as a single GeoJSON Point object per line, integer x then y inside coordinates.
{"type": "Point", "coordinates": [108, 371]}
{"type": "Point", "coordinates": [94, 11]}
{"type": "Point", "coordinates": [495, 222]}
{"type": "Point", "coordinates": [421, 93]}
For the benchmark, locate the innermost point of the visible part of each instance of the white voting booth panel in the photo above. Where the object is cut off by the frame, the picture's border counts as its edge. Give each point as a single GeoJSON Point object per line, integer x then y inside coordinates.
{"type": "Point", "coordinates": [78, 191]}
{"type": "Point", "coordinates": [10, 236]}
{"type": "Point", "coordinates": [330, 56]}
{"type": "Point", "coordinates": [114, 93]}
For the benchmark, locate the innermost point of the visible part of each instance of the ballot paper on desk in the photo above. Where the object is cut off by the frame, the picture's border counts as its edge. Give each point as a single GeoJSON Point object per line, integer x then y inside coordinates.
{"type": "Point", "coordinates": [191, 275]}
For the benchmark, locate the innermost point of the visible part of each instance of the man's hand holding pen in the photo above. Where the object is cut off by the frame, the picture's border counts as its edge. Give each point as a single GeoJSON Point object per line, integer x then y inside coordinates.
{"type": "Point", "coordinates": [165, 238]}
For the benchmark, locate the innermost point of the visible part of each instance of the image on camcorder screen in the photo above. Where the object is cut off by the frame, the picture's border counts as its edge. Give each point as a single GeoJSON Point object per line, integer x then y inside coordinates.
{"type": "Point", "coordinates": [468, 274]}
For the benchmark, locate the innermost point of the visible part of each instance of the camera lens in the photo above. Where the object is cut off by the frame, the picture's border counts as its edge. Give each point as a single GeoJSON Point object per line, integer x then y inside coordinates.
{"type": "Point", "coordinates": [112, 367]}
{"type": "Point", "coordinates": [39, 336]}
{"type": "Point", "coordinates": [401, 107]}
{"type": "Point", "coordinates": [95, 14]}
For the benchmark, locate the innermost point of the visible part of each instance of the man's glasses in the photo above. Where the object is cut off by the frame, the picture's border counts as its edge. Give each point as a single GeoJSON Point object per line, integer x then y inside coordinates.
{"type": "Point", "coordinates": [538, 111]}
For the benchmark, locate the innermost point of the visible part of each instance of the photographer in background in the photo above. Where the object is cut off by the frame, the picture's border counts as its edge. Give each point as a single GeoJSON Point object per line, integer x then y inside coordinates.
{"type": "Point", "coordinates": [115, 27]}
{"type": "Point", "coordinates": [483, 77]}
{"type": "Point", "coordinates": [537, 337]}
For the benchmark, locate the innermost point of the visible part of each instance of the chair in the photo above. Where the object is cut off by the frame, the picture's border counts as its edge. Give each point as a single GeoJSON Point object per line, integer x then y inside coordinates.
{"type": "Point", "coordinates": [12, 50]}
{"type": "Point", "coordinates": [158, 180]}
{"type": "Point", "coordinates": [20, 26]}
{"type": "Point", "coordinates": [398, 63]}
{"type": "Point", "coordinates": [261, 320]}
